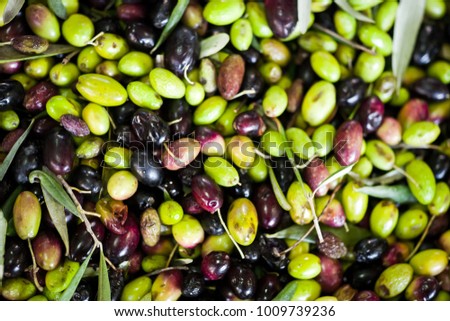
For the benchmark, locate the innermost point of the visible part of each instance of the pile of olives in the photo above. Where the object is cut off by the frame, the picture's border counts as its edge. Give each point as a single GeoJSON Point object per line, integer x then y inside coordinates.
{"type": "Point", "coordinates": [210, 150]}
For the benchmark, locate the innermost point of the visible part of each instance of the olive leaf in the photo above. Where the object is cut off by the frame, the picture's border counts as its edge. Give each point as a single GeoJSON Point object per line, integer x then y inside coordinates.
{"type": "Point", "coordinates": [9, 54]}
{"type": "Point", "coordinates": [104, 288]}
{"type": "Point", "coordinates": [7, 207]}
{"type": "Point", "coordinates": [304, 12]}
{"type": "Point", "coordinates": [10, 157]}
{"type": "Point", "coordinates": [52, 186]}
{"type": "Point", "coordinates": [388, 178]}
{"type": "Point", "coordinates": [211, 45]}
{"type": "Point", "coordinates": [174, 18]}
{"type": "Point", "coordinates": [58, 8]}
{"type": "Point", "coordinates": [400, 194]}
{"type": "Point", "coordinates": [287, 292]}
{"type": "Point", "coordinates": [68, 293]}
{"type": "Point", "coordinates": [335, 176]}
{"type": "Point", "coordinates": [344, 5]}
{"type": "Point", "coordinates": [350, 235]}
{"type": "Point", "coordinates": [9, 10]}
{"type": "Point", "coordinates": [58, 216]}
{"type": "Point", "coordinates": [407, 24]}
{"type": "Point", "coordinates": [3, 227]}
{"type": "Point", "coordinates": [279, 195]}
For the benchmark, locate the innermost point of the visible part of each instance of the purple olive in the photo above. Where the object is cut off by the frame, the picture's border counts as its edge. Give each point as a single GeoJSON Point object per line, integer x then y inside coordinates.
{"type": "Point", "coordinates": [119, 248]}
{"type": "Point", "coordinates": [207, 193]}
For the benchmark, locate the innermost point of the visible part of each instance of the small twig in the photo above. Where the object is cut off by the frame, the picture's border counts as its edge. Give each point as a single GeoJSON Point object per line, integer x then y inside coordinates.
{"type": "Point", "coordinates": [422, 238]}
{"type": "Point", "coordinates": [404, 173]}
{"type": "Point", "coordinates": [35, 268]}
{"type": "Point", "coordinates": [261, 154]}
{"type": "Point", "coordinates": [175, 121]}
{"type": "Point", "coordinates": [172, 253]}
{"type": "Point", "coordinates": [406, 146]}
{"type": "Point", "coordinates": [307, 162]}
{"type": "Point", "coordinates": [186, 77]}
{"type": "Point", "coordinates": [229, 234]}
{"type": "Point", "coordinates": [244, 92]}
{"type": "Point", "coordinates": [93, 42]}
{"type": "Point", "coordinates": [170, 268]}
{"type": "Point", "coordinates": [81, 191]}
{"type": "Point", "coordinates": [67, 58]}
{"type": "Point", "coordinates": [342, 39]}
{"type": "Point", "coordinates": [111, 120]}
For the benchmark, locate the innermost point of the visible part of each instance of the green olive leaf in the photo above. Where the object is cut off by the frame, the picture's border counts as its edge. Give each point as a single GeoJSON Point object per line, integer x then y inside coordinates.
{"type": "Point", "coordinates": [104, 288]}
{"type": "Point", "coordinates": [344, 5]}
{"type": "Point", "coordinates": [54, 188]}
{"type": "Point", "coordinates": [407, 24]}
{"type": "Point", "coordinates": [279, 195]}
{"type": "Point", "coordinates": [400, 194]}
{"type": "Point", "coordinates": [174, 18]}
{"type": "Point", "coordinates": [7, 207]}
{"type": "Point", "coordinates": [68, 293]}
{"type": "Point", "coordinates": [303, 11]}
{"type": "Point", "coordinates": [58, 216]}
{"type": "Point", "coordinates": [212, 45]}
{"type": "Point", "coordinates": [3, 227]}
{"type": "Point", "coordinates": [10, 157]}
{"type": "Point", "coordinates": [287, 293]}
{"type": "Point", "coordinates": [58, 8]}
{"type": "Point", "coordinates": [9, 54]}
{"type": "Point", "coordinates": [388, 178]}
{"type": "Point", "coordinates": [335, 176]}
{"type": "Point", "coordinates": [9, 10]}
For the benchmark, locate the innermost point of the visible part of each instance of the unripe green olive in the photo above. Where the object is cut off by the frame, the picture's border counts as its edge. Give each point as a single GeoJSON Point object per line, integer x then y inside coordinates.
{"type": "Point", "coordinates": [78, 29]}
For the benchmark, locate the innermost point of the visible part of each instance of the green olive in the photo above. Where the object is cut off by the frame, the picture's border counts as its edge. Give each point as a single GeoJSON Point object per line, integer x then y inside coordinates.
{"type": "Point", "coordinates": [88, 59]}
{"type": "Point", "coordinates": [209, 110]}
{"type": "Point", "coordinates": [300, 211]}
{"type": "Point", "coordinates": [143, 95]}
{"type": "Point", "coordinates": [421, 181]}
{"type": "Point", "coordinates": [27, 215]}
{"type": "Point", "coordinates": [78, 29]}
{"type": "Point", "coordinates": [429, 262]}
{"type": "Point", "coordinates": [241, 34]}
{"type": "Point", "coordinates": [97, 118]}
{"type": "Point", "coordinates": [167, 84]}
{"type": "Point", "coordinates": [369, 67]}
{"type": "Point", "coordinates": [355, 203]}
{"type": "Point", "coordinates": [411, 224]}
{"type": "Point", "coordinates": [345, 24]}
{"type": "Point", "coordinates": [441, 200]}
{"type": "Point", "coordinates": [325, 66]}
{"type": "Point", "coordinates": [221, 171]}
{"type": "Point", "coordinates": [58, 280]}
{"type": "Point", "coordinates": [242, 221]}
{"type": "Point", "coordinates": [319, 103]}
{"type": "Point", "coordinates": [305, 266]}
{"type": "Point", "coordinates": [135, 64]}
{"type": "Point", "coordinates": [275, 101]}
{"type": "Point", "coordinates": [122, 185]}
{"type": "Point", "coordinates": [39, 68]}
{"type": "Point", "coordinates": [258, 20]}
{"type": "Point", "coordinates": [102, 90]}
{"type": "Point", "coordinates": [384, 218]}
{"type": "Point", "coordinates": [63, 75]}
{"type": "Point", "coordinates": [136, 289]}
{"type": "Point", "coordinates": [111, 46]}
{"type": "Point", "coordinates": [188, 232]}
{"type": "Point", "coordinates": [170, 212]}
{"type": "Point", "coordinates": [394, 280]}
{"type": "Point", "coordinates": [17, 289]}
{"type": "Point", "coordinates": [222, 13]}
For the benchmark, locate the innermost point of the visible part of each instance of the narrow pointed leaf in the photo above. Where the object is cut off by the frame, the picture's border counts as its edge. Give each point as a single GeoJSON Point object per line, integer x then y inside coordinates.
{"type": "Point", "coordinates": [174, 18]}
{"type": "Point", "coordinates": [68, 293]}
{"type": "Point", "coordinates": [407, 24]}
{"type": "Point", "coordinates": [58, 216]}
{"type": "Point", "coordinates": [104, 289]}
{"type": "Point", "coordinates": [287, 293]}
{"type": "Point", "coordinates": [7, 207]}
{"type": "Point", "coordinates": [388, 178]}
{"type": "Point", "coordinates": [282, 200]}
{"type": "Point", "coordinates": [211, 45]}
{"type": "Point", "coordinates": [335, 176]}
{"type": "Point", "coordinates": [3, 227]}
{"type": "Point", "coordinates": [400, 194]}
{"type": "Point", "coordinates": [344, 5]}
{"type": "Point", "coordinates": [9, 9]}
{"type": "Point", "coordinates": [304, 12]}
{"type": "Point", "coordinates": [54, 188]}
{"type": "Point", "coordinates": [58, 8]}
{"type": "Point", "coordinates": [9, 54]}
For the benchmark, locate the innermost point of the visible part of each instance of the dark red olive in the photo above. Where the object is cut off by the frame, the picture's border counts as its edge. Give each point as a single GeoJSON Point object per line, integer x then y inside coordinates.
{"type": "Point", "coordinates": [38, 95]}
{"type": "Point", "coordinates": [315, 173]}
{"type": "Point", "coordinates": [370, 114]}
{"type": "Point", "coordinates": [330, 277]}
{"type": "Point", "coordinates": [267, 207]}
{"type": "Point", "coordinates": [135, 261]}
{"type": "Point", "coordinates": [215, 265]}
{"type": "Point", "coordinates": [11, 68]}
{"type": "Point", "coordinates": [10, 139]}
{"type": "Point", "coordinates": [249, 123]}
{"type": "Point", "coordinates": [59, 151]}
{"type": "Point", "coordinates": [44, 125]}
{"type": "Point", "coordinates": [118, 248]}
{"type": "Point", "coordinates": [281, 16]}
{"type": "Point", "coordinates": [17, 27]}
{"type": "Point", "coordinates": [422, 288]}
{"type": "Point", "coordinates": [268, 287]}
{"type": "Point", "coordinates": [47, 249]}
{"type": "Point", "coordinates": [182, 50]}
{"type": "Point", "coordinates": [190, 204]}
{"type": "Point", "coordinates": [129, 12]}
{"type": "Point", "coordinates": [207, 193]}
{"type": "Point", "coordinates": [348, 142]}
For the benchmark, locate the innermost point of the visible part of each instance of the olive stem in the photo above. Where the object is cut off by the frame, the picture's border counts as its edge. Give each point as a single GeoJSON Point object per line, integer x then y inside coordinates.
{"type": "Point", "coordinates": [342, 39]}
{"type": "Point", "coordinates": [81, 191]}
{"type": "Point", "coordinates": [67, 58]}
{"type": "Point", "coordinates": [261, 154]}
{"type": "Point", "coordinates": [406, 146]}
{"type": "Point", "coordinates": [244, 92]}
{"type": "Point", "coordinates": [111, 120]}
{"type": "Point", "coordinates": [170, 268]}
{"type": "Point", "coordinates": [307, 162]}
{"type": "Point", "coordinates": [229, 234]}
{"type": "Point", "coordinates": [403, 172]}
{"type": "Point", "coordinates": [186, 77]}
{"type": "Point", "coordinates": [93, 42]}
{"type": "Point", "coordinates": [35, 268]}
{"type": "Point", "coordinates": [175, 121]}
{"type": "Point", "coordinates": [172, 253]}
{"type": "Point", "coordinates": [5, 43]}
{"type": "Point", "coordinates": [422, 238]}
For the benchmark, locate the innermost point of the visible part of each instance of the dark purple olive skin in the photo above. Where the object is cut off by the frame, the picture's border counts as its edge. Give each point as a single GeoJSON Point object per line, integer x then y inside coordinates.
{"type": "Point", "coordinates": [36, 98]}
{"type": "Point", "coordinates": [314, 174]}
{"type": "Point", "coordinates": [350, 92]}
{"type": "Point", "coordinates": [348, 142]}
{"type": "Point", "coordinates": [107, 25]}
{"type": "Point", "coordinates": [11, 94]}
{"type": "Point", "coordinates": [268, 287]}
{"type": "Point", "coordinates": [425, 288]}
{"type": "Point", "coordinates": [141, 200]}
{"type": "Point", "coordinates": [140, 36]}
{"type": "Point", "coordinates": [211, 224]}
{"type": "Point", "coordinates": [149, 127]}
{"type": "Point", "coordinates": [242, 280]}
{"type": "Point", "coordinates": [249, 123]}
{"type": "Point", "coordinates": [283, 172]}
{"type": "Point", "coordinates": [17, 257]}
{"type": "Point", "coordinates": [123, 114]}
{"type": "Point", "coordinates": [362, 276]}
{"type": "Point", "coordinates": [17, 27]}
{"type": "Point", "coordinates": [429, 42]}
{"type": "Point", "coordinates": [116, 283]}
{"type": "Point", "coordinates": [370, 249]}
{"type": "Point", "coordinates": [190, 205]}
{"type": "Point", "coordinates": [252, 56]}
{"type": "Point", "coordinates": [129, 12]}
{"type": "Point", "coordinates": [87, 178]}
{"type": "Point", "coordinates": [193, 285]}
{"type": "Point", "coordinates": [146, 169]}
{"type": "Point", "coordinates": [44, 125]}
{"type": "Point", "coordinates": [28, 158]}
{"type": "Point", "coordinates": [439, 164]}
{"type": "Point", "coordinates": [118, 248]}
{"type": "Point", "coordinates": [59, 151]}
{"type": "Point", "coordinates": [81, 242]}
{"type": "Point", "coordinates": [215, 265]}
{"type": "Point", "coordinates": [85, 291]}
{"type": "Point", "coordinates": [330, 277]}
{"type": "Point", "coordinates": [182, 50]}
{"type": "Point", "coordinates": [160, 13]}
{"type": "Point", "coordinates": [48, 250]}
{"type": "Point", "coordinates": [366, 295]}
{"type": "Point", "coordinates": [430, 88]}
{"type": "Point", "coordinates": [370, 114]}
{"type": "Point", "coordinates": [173, 111]}
{"type": "Point", "coordinates": [281, 16]}
{"type": "Point", "coordinates": [253, 80]}
{"type": "Point", "coordinates": [267, 207]}
{"type": "Point", "coordinates": [207, 193]}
